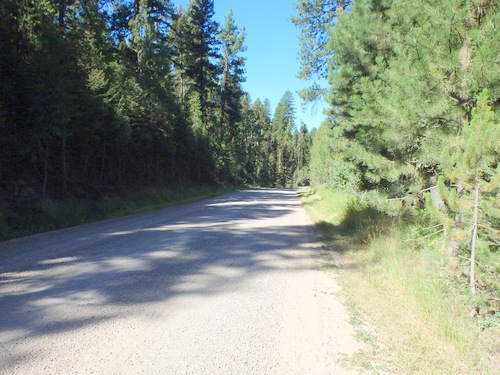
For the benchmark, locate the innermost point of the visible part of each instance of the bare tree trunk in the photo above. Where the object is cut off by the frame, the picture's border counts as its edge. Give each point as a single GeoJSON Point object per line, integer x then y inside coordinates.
{"type": "Point", "coordinates": [182, 90]}
{"type": "Point", "coordinates": [473, 242]}
{"type": "Point", "coordinates": [436, 199]}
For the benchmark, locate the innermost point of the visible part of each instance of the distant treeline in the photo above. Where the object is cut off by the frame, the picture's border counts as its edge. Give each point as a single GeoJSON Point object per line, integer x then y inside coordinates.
{"type": "Point", "coordinates": [97, 93]}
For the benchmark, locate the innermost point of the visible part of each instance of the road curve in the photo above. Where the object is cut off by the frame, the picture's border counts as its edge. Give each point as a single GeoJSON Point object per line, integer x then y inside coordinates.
{"type": "Point", "coordinates": [228, 285]}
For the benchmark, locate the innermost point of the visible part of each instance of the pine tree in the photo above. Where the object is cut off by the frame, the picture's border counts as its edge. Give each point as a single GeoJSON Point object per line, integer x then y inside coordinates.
{"type": "Point", "coordinates": [179, 41]}
{"type": "Point", "coordinates": [203, 45]}
{"type": "Point", "coordinates": [314, 19]}
{"type": "Point", "coordinates": [472, 163]}
{"type": "Point", "coordinates": [283, 125]}
{"type": "Point", "coordinates": [13, 55]}
{"type": "Point", "coordinates": [301, 146]}
{"type": "Point", "coordinates": [263, 116]}
{"type": "Point", "coordinates": [404, 86]}
{"type": "Point", "coordinates": [390, 98]}
{"type": "Point", "coordinates": [55, 110]}
{"type": "Point", "coordinates": [89, 95]}
{"type": "Point", "coordinates": [323, 155]}
{"type": "Point", "coordinates": [232, 66]}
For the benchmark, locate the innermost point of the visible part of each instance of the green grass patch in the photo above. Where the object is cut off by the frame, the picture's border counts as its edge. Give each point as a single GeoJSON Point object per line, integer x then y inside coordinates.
{"type": "Point", "coordinates": [405, 290]}
{"type": "Point", "coordinates": [24, 217]}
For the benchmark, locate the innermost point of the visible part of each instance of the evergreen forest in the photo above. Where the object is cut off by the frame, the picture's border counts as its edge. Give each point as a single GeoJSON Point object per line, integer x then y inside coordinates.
{"type": "Point", "coordinates": [99, 95]}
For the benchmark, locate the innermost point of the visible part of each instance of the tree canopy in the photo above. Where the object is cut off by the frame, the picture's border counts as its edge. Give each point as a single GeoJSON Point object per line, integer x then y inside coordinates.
{"type": "Point", "coordinates": [98, 95]}
{"type": "Point", "coordinates": [414, 100]}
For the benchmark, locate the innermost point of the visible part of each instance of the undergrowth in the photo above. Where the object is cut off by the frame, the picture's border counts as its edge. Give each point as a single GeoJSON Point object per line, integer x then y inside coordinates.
{"type": "Point", "coordinates": [407, 289]}
{"type": "Point", "coordinates": [20, 217]}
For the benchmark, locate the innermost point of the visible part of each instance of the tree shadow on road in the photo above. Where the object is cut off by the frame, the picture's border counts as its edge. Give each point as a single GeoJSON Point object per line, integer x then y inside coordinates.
{"type": "Point", "coordinates": [98, 271]}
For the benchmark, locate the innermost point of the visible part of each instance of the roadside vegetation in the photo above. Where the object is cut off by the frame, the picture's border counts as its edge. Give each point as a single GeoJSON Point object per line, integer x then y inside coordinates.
{"type": "Point", "coordinates": [407, 298]}
{"type": "Point", "coordinates": [29, 216]}
{"type": "Point", "coordinates": [405, 170]}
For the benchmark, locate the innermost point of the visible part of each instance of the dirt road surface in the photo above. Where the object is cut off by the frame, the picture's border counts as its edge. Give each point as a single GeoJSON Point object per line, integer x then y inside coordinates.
{"type": "Point", "coordinates": [228, 285]}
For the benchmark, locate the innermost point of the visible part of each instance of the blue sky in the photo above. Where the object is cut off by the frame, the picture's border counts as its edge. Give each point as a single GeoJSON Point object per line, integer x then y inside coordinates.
{"type": "Point", "coordinates": [273, 47]}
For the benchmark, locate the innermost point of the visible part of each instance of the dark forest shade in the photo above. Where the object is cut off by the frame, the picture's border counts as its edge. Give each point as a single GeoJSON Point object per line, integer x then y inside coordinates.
{"type": "Point", "coordinates": [130, 93]}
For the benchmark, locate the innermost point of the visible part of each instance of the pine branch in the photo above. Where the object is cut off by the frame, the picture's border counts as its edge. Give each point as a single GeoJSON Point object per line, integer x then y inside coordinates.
{"type": "Point", "coordinates": [412, 194]}
{"type": "Point", "coordinates": [496, 231]}
{"type": "Point", "coordinates": [423, 238]}
{"type": "Point", "coordinates": [491, 229]}
{"type": "Point", "coordinates": [434, 226]}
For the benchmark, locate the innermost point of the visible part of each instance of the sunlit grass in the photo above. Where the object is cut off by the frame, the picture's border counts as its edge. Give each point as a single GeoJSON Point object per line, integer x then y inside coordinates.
{"type": "Point", "coordinates": [400, 287]}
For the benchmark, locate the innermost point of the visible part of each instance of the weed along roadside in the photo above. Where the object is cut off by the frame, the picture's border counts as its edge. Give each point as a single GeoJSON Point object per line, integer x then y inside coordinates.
{"type": "Point", "coordinates": [406, 303]}
{"type": "Point", "coordinates": [29, 216]}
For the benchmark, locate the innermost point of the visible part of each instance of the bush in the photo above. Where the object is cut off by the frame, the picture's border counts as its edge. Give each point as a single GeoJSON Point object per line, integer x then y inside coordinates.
{"type": "Point", "coordinates": [301, 177]}
{"type": "Point", "coordinates": [344, 176]}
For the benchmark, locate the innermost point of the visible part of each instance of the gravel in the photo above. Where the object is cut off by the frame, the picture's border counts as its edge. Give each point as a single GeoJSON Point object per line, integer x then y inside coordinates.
{"type": "Point", "coordinates": [228, 285]}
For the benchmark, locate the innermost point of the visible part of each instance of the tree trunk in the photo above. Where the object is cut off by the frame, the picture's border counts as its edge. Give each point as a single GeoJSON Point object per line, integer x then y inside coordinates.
{"type": "Point", "coordinates": [340, 7]}
{"type": "Point", "coordinates": [182, 89]}
{"type": "Point", "coordinates": [102, 164]}
{"type": "Point", "coordinates": [223, 98]}
{"type": "Point", "coordinates": [473, 242]}
{"type": "Point", "coordinates": [62, 15]}
{"type": "Point", "coordinates": [436, 199]}
{"type": "Point", "coordinates": [45, 151]}
{"type": "Point", "coordinates": [64, 167]}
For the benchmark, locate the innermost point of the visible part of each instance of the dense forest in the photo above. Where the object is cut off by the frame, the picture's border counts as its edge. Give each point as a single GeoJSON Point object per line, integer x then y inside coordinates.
{"type": "Point", "coordinates": [99, 94]}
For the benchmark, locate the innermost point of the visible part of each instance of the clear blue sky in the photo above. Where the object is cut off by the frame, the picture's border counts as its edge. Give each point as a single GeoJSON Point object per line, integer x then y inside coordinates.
{"type": "Point", "coordinates": [273, 47]}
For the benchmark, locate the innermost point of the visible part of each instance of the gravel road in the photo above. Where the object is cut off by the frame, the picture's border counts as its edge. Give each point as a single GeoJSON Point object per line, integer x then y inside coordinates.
{"type": "Point", "coordinates": [228, 285]}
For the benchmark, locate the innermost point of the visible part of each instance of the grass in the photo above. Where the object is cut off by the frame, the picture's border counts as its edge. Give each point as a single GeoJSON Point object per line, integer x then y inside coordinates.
{"type": "Point", "coordinates": [403, 289]}
{"type": "Point", "coordinates": [24, 217]}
